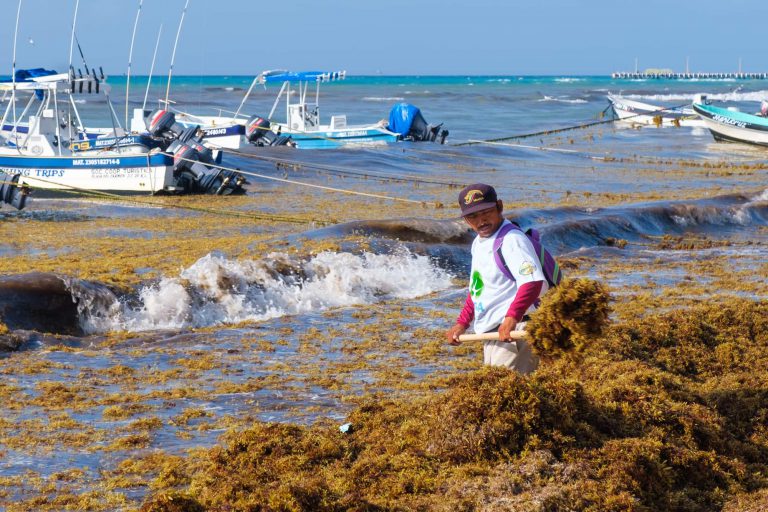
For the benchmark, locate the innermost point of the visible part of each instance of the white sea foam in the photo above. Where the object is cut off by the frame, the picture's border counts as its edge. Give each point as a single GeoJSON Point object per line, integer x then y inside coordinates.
{"type": "Point", "coordinates": [562, 100]}
{"type": "Point", "coordinates": [763, 196]}
{"type": "Point", "coordinates": [689, 217]}
{"type": "Point", "coordinates": [216, 290]}
{"type": "Point", "coordinates": [383, 98]}
{"type": "Point", "coordinates": [698, 131]}
{"type": "Point", "coordinates": [569, 79]}
{"type": "Point", "coordinates": [726, 96]}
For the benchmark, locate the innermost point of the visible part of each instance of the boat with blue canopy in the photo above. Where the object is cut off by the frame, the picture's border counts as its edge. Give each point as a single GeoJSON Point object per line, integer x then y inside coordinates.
{"type": "Point", "coordinates": [302, 113]}
{"type": "Point", "coordinates": [302, 126]}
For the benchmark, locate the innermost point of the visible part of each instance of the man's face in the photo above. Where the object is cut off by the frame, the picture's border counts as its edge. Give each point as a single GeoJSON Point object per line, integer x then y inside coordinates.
{"type": "Point", "coordinates": [486, 222]}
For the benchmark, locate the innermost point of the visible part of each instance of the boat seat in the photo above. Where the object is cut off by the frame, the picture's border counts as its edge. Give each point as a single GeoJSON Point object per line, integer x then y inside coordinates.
{"type": "Point", "coordinates": [338, 122]}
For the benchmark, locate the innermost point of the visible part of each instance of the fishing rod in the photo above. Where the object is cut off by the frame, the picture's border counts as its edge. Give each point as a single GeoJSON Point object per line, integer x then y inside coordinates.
{"type": "Point", "coordinates": [12, 104]}
{"type": "Point", "coordinates": [72, 36]}
{"type": "Point", "coordinates": [130, 61]}
{"type": "Point", "coordinates": [173, 56]}
{"type": "Point", "coordinates": [152, 68]}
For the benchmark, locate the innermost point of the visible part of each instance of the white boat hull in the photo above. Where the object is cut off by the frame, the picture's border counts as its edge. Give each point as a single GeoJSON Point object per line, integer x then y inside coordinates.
{"type": "Point", "coordinates": [137, 174]}
{"type": "Point", "coordinates": [219, 132]}
{"type": "Point", "coordinates": [732, 133]}
{"type": "Point", "coordinates": [635, 112]}
{"type": "Point", "coordinates": [349, 136]}
{"type": "Point", "coordinates": [733, 126]}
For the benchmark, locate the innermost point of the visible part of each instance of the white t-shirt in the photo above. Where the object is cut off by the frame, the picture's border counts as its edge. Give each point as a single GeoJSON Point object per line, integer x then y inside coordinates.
{"type": "Point", "coordinates": [492, 292]}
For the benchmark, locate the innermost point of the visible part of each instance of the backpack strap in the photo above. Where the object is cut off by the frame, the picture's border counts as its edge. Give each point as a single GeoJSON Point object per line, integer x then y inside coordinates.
{"type": "Point", "coordinates": [500, 262]}
{"type": "Point", "coordinates": [549, 265]}
{"type": "Point", "coordinates": [497, 256]}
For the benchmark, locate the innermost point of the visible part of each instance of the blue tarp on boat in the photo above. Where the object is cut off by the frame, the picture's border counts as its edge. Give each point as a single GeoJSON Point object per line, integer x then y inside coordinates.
{"type": "Point", "coordinates": [26, 75]}
{"type": "Point", "coordinates": [401, 118]}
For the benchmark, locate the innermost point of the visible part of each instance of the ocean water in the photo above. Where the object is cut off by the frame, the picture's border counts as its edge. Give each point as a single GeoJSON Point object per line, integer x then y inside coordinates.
{"type": "Point", "coordinates": [664, 174]}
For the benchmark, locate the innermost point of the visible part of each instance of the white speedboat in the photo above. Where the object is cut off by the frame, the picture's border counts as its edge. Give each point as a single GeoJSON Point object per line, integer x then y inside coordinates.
{"type": "Point", "coordinates": [47, 150]}
{"type": "Point", "coordinates": [636, 112]}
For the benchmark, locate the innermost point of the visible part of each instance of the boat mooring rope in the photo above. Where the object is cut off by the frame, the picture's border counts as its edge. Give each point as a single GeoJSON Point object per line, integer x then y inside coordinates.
{"type": "Point", "coordinates": [435, 204]}
{"type": "Point", "coordinates": [566, 128]}
{"type": "Point", "coordinates": [340, 170]}
{"type": "Point", "coordinates": [100, 194]}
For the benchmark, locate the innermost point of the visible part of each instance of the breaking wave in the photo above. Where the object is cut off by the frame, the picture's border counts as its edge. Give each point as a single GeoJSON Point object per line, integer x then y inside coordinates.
{"type": "Point", "coordinates": [217, 290]}
{"type": "Point", "coordinates": [735, 96]}
{"type": "Point", "coordinates": [562, 100]}
{"type": "Point", "coordinates": [383, 98]}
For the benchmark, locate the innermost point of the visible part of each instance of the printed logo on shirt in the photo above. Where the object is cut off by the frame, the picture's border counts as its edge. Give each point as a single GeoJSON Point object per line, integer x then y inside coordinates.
{"type": "Point", "coordinates": [476, 284]}
{"type": "Point", "coordinates": [527, 268]}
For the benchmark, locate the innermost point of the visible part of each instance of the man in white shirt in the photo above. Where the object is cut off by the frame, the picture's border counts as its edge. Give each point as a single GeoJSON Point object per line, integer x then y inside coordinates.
{"type": "Point", "coordinates": [505, 281]}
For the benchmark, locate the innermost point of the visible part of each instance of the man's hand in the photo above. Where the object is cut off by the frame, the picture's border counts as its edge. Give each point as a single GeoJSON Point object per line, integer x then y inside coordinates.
{"type": "Point", "coordinates": [453, 334]}
{"type": "Point", "coordinates": [506, 327]}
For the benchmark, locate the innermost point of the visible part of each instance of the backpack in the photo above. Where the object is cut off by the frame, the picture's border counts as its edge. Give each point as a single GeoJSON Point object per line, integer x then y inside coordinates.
{"type": "Point", "coordinates": [551, 269]}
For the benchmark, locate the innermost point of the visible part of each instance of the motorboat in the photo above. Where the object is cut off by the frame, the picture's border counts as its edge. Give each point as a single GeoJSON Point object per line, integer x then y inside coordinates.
{"type": "Point", "coordinates": [47, 148]}
{"type": "Point", "coordinates": [302, 113]}
{"type": "Point", "coordinates": [731, 125]}
{"type": "Point", "coordinates": [302, 126]}
{"type": "Point", "coordinates": [636, 112]}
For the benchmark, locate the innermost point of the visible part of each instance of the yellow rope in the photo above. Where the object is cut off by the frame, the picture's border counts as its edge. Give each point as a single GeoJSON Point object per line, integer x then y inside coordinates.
{"type": "Point", "coordinates": [116, 197]}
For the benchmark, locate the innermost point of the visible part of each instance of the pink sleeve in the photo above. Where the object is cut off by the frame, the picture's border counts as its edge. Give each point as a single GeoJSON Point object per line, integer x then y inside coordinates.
{"type": "Point", "coordinates": [468, 313]}
{"type": "Point", "coordinates": [526, 295]}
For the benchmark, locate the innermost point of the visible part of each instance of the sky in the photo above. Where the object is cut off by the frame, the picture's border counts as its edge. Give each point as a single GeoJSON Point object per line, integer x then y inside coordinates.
{"type": "Point", "coordinates": [392, 37]}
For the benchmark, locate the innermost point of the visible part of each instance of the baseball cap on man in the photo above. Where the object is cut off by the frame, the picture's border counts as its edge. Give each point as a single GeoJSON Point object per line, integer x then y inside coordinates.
{"type": "Point", "coordinates": [476, 197]}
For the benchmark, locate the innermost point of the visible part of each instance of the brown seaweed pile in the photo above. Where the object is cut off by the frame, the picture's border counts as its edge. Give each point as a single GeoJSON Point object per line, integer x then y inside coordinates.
{"type": "Point", "coordinates": [664, 413]}
{"type": "Point", "coordinates": [570, 316]}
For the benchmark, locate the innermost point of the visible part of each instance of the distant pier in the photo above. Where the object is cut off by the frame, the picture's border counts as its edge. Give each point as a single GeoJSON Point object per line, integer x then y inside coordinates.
{"type": "Point", "coordinates": [689, 76]}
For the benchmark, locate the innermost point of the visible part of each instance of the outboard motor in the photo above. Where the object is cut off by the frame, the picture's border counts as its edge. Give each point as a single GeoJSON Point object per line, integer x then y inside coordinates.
{"type": "Point", "coordinates": [194, 177]}
{"type": "Point", "coordinates": [258, 133]}
{"type": "Point", "coordinates": [406, 120]}
{"type": "Point", "coordinates": [161, 123]}
{"type": "Point", "coordinates": [192, 160]}
{"type": "Point", "coordinates": [11, 192]}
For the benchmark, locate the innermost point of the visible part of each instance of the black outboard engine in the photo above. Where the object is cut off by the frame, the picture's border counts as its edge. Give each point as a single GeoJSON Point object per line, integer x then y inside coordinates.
{"type": "Point", "coordinates": [161, 123]}
{"type": "Point", "coordinates": [11, 192]}
{"type": "Point", "coordinates": [406, 120]}
{"type": "Point", "coordinates": [193, 163]}
{"type": "Point", "coordinates": [193, 176]}
{"type": "Point", "coordinates": [258, 133]}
